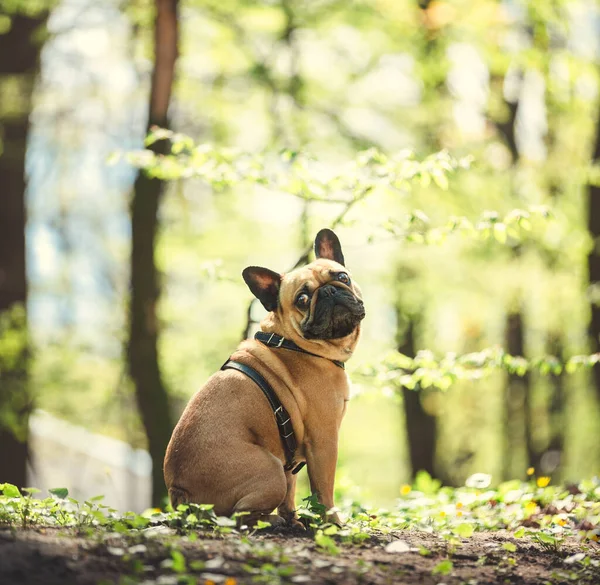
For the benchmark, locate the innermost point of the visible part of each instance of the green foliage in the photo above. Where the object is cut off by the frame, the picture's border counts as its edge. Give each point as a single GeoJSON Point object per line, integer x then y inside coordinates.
{"type": "Point", "coordinates": [443, 568]}
{"type": "Point", "coordinates": [30, 8]}
{"type": "Point", "coordinates": [165, 538]}
{"type": "Point", "coordinates": [425, 484]}
{"type": "Point", "coordinates": [295, 173]}
{"type": "Point", "coordinates": [15, 396]}
{"type": "Point", "coordinates": [13, 339]}
{"type": "Point", "coordinates": [425, 371]}
{"type": "Point", "coordinates": [509, 229]}
{"type": "Point", "coordinates": [326, 543]}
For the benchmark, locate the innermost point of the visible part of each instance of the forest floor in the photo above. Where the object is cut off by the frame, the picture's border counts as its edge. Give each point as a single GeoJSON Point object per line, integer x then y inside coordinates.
{"type": "Point", "coordinates": [59, 556]}
{"type": "Point", "coordinates": [529, 533]}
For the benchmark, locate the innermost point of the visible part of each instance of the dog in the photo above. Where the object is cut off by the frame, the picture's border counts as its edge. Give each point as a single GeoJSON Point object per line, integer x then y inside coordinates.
{"type": "Point", "coordinates": [228, 449]}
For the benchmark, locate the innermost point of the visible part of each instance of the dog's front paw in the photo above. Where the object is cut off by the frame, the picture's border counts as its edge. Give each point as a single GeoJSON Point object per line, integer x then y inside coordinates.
{"type": "Point", "coordinates": [249, 521]}
{"type": "Point", "coordinates": [333, 518]}
{"type": "Point", "coordinates": [290, 518]}
{"type": "Point", "coordinates": [296, 524]}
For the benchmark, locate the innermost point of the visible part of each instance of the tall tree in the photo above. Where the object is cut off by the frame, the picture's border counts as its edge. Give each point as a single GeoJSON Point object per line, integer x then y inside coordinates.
{"type": "Point", "coordinates": [421, 426]}
{"type": "Point", "coordinates": [594, 259]}
{"type": "Point", "coordinates": [19, 61]}
{"type": "Point", "coordinates": [142, 352]}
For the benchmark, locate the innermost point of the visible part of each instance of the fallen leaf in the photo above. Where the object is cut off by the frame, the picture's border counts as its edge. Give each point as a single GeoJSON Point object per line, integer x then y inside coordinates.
{"type": "Point", "coordinates": [397, 546]}
{"type": "Point", "coordinates": [115, 550]}
{"type": "Point", "coordinates": [215, 563]}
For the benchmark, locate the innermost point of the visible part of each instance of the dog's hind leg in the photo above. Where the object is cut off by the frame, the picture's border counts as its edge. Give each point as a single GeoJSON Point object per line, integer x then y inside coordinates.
{"type": "Point", "coordinates": [267, 490]}
{"type": "Point", "coordinates": [178, 496]}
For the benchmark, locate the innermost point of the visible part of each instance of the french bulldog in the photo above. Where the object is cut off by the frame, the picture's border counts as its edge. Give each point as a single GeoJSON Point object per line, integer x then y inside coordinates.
{"type": "Point", "coordinates": [226, 449]}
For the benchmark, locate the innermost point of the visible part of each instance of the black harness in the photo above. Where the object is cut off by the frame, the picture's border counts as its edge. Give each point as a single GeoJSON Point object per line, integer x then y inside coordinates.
{"type": "Point", "coordinates": [282, 418]}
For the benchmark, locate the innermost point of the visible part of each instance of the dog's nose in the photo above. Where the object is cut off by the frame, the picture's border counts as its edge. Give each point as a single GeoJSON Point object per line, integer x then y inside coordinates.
{"type": "Point", "coordinates": [328, 290]}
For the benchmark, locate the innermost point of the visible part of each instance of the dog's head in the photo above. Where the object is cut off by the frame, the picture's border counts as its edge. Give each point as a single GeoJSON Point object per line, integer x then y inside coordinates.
{"type": "Point", "coordinates": [318, 306]}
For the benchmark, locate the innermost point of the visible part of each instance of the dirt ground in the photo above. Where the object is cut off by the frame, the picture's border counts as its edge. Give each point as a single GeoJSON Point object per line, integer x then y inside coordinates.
{"type": "Point", "coordinates": [61, 557]}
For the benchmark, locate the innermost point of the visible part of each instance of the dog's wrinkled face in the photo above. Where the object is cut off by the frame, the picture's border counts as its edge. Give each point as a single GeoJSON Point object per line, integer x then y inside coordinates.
{"type": "Point", "coordinates": [322, 300]}
{"type": "Point", "coordinates": [319, 301]}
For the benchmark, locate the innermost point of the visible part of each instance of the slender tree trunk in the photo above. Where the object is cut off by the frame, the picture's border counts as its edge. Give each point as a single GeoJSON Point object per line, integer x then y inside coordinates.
{"type": "Point", "coordinates": [19, 57]}
{"type": "Point", "coordinates": [517, 407]}
{"type": "Point", "coordinates": [421, 427]}
{"type": "Point", "coordinates": [594, 261]}
{"type": "Point", "coordinates": [144, 368]}
{"type": "Point", "coordinates": [553, 457]}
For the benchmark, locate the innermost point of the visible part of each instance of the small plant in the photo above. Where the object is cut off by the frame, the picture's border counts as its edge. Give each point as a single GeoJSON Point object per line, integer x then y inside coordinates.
{"type": "Point", "coordinates": [549, 542]}
{"type": "Point", "coordinates": [443, 567]}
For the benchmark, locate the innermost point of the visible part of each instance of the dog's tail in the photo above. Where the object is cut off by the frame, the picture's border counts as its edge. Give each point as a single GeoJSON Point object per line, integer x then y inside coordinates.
{"type": "Point", "coordinates": [178, 496]}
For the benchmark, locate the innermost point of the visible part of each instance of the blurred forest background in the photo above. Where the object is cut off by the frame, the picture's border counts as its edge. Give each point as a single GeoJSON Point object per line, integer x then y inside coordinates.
{"type": "Point", "coordinates": [121, 292]}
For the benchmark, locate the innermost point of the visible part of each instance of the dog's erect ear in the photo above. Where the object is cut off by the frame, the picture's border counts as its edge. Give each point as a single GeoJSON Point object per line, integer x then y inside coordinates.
{"type": "Point", "coordinates": [264, 284]}
{"type": "Point", "coordinates": [328, 246]}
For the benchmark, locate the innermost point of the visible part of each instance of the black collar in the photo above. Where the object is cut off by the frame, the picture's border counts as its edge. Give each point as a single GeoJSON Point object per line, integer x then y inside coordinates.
{"type": "Point", "coordinates": [274, 340]}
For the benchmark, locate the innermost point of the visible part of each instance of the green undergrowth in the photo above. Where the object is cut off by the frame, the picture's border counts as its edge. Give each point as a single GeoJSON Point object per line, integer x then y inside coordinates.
{"type": "Point", "coordinates": [498, 527]}
{"type": "Point", "coordinates": [534, 509]}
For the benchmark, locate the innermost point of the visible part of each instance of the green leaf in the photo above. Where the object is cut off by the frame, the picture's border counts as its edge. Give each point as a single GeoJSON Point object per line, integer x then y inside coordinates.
{"type": "Point", "coordinates": [425, 483]}
{"type": "Point", "coordinates": [509, 546]}
{"type": "Point", "coordinates": [520, 532]}
{"type": "Point", "coordinates": [500, 232]}
{"type": "Point", "coordinates": [464, 530]}
{"type": "Point", "coordinates": [425, 179]}
{"type": "Point", "coordinates": [440, 180]}
{"type": "Point", "coordinates": [525, 224]}
{"type": "Point", "coordinates": [60, 493]}
{"type": "Point", "coordinates": [179, 564]}
{"type": "Point", "coordinates": [139, 521]}
{"type": "Point", "coordinates": [443, 568]}
{"type": "Point", "coordinates": [10, 490]}
{"type": "Point", "coordinates": [571, 366]}
{"type": "Point", "coordinates": [225, 522]}
{"type": "Point", "coordinates": [326, 543]}
{"type": "Point", "coordinates": [191, 519]}
{"type": "Point", "coordinates": [545, 538]}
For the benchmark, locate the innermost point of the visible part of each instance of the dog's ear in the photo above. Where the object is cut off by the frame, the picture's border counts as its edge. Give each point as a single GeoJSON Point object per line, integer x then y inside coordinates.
{"type": "Point", "coordinates": [328, 246]}
{"type": "Point", "coordinates": [264, 284]}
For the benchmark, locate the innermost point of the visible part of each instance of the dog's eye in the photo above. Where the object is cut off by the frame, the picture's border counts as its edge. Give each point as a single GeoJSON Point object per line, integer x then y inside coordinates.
{"type": "Point", "coordinates": [343, 278]}
{"type": "Point", "coordinates": [302, 301]}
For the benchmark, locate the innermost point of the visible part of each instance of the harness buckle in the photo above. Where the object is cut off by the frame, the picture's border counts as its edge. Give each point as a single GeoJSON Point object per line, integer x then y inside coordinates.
{"type": "Point", "coordinates": [278, 344]}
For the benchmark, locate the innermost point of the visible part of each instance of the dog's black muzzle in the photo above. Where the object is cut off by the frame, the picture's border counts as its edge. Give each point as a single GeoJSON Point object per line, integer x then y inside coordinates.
{"type": "Point", "coordinates": [336, 313]}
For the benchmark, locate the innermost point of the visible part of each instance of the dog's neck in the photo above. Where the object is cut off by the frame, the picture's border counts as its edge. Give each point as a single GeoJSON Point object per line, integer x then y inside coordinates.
{"type": "Point", "coordinates": [333, 349]}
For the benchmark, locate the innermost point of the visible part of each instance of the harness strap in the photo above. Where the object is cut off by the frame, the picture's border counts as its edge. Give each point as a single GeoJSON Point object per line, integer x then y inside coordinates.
{"type": "Point", "coordinates": [282, 418]}
{"type": "Point", "coordinates": [274, 340]}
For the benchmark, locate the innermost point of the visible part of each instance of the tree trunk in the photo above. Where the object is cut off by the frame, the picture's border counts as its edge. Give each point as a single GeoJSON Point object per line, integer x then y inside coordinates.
{"type": "Point", "coordinates": [19, 57]}
{"type": "Point", "coordinates": [594, 262]}
{"type": "Point", "coordinates": [552, 459]}
{"type": "Point", "coordinates": [517, 407]}
{"type": "Point", "coordinates": [144, 368]}
{"type": "Point", "coordinates": [421, 427]}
